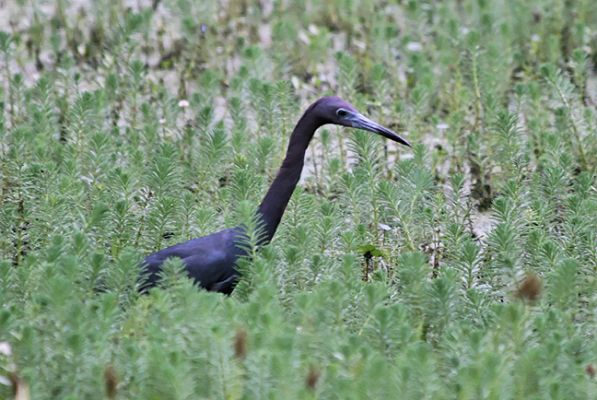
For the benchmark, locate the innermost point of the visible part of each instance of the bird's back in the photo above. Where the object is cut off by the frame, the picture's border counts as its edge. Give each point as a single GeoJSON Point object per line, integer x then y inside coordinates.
{"type": "Point", "coordinates": [209, 260]}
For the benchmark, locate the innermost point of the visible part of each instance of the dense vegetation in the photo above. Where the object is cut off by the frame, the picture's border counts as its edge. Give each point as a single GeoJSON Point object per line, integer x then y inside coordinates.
{"type": "Point", "coordinates": [462, 268]}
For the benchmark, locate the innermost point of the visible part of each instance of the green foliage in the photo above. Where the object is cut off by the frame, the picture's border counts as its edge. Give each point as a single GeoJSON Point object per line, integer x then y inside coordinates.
{"type": "Point", "coordinates": [395, 273]}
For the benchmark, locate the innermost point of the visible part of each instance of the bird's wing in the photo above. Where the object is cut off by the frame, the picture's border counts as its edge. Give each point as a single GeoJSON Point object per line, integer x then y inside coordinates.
{"type": "Point", "coordinates": [209, 260]}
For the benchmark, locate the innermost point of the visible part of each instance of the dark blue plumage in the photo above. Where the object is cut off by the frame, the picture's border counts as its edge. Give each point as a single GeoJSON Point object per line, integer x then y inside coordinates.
{"type": "Point", "coordinates": [211, 260]}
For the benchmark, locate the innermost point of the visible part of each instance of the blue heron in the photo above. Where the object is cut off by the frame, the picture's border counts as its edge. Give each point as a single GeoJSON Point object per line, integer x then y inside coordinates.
{"type": "Point", "coordinates": [211, 260]}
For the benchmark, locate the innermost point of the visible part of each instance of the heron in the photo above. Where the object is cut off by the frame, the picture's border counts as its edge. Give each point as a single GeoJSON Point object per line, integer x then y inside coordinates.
{"type": "Point", "coordinates": [211, 260]}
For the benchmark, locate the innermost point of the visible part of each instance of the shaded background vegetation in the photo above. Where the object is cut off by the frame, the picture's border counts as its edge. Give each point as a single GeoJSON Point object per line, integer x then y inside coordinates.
{"type": "Point", "coordinates": [463, 268]}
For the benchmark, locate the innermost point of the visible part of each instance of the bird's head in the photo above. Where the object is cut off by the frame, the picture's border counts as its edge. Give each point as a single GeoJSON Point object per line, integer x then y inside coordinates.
{"type": "Point", "coordinates": [334, 110]}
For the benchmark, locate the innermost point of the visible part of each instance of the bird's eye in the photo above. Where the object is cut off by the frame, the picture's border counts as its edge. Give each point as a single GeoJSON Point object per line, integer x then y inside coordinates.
{"type": "Point", "coordinates": [341, 112]}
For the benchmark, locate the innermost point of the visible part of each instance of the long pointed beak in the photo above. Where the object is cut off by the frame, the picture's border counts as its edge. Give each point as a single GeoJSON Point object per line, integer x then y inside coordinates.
{"type": "Point", "coordinates": [362, 122]}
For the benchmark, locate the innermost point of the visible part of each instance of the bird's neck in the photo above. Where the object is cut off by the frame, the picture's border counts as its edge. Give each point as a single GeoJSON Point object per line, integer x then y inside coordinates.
{"type": "Point", "coordinates": [276, 199]}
